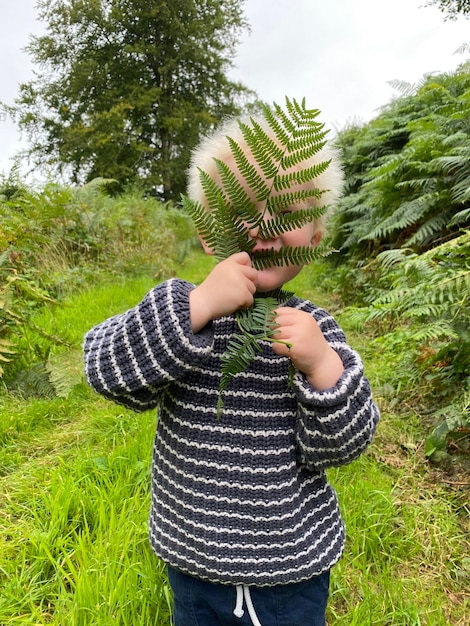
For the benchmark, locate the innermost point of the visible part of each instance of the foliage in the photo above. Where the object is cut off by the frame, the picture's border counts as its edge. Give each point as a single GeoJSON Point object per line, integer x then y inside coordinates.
{"type": "Point", "coordinates": [424, 299]}
{"type": "Point", "coordinates": [429, 290]}
{"type": "Point", "coordinates": [53, 242]}
{"type": "Point", "coordinates": [225, 223]}
{"type": "Point", "coordinates": [401, 230]}
{"type": "Point", "coordinates": [123, 90]}
{"type": "Point", "coordinates": [20, 295]}
{"type": "Point", "coordinates": [407, 172]}
{"type": "Point", "coordinates": [453, 432]}
{"type": "Point", "coordinates": [451, 8]}
{"type": "Point", "coordinates": [77, 551]}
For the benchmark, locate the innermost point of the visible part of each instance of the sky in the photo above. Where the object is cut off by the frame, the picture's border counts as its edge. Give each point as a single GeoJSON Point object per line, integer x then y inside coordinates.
{"type": "Point", "coordinates": [337, 54]}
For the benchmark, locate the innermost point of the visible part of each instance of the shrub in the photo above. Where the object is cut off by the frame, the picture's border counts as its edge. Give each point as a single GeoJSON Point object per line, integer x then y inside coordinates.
{"type": "Point", "coordinates": [57, 240]}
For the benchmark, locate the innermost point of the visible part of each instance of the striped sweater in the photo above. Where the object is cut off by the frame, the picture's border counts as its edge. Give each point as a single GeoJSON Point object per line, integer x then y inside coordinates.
{"type": "Point", "coordinates": [243, 498]}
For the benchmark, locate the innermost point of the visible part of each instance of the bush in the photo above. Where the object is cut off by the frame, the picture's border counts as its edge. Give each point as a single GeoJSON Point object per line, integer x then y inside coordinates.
{"type": "Point", "coordinates": [58, 240]}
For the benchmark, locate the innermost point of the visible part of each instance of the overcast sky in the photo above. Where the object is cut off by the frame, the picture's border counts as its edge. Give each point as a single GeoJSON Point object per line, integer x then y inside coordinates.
{"type": "Point", "coordinates": [338, 54]}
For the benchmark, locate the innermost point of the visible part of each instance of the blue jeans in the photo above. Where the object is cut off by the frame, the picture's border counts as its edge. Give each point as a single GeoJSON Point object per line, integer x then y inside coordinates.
{"type": "Point", "coordinates": [202, 603]}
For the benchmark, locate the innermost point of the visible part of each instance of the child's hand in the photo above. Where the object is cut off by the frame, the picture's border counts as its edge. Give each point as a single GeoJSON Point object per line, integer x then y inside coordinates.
{"type": "Point", "coordinates": [310, 352]}
{"type": "Point", "coordinates": [230, 286]}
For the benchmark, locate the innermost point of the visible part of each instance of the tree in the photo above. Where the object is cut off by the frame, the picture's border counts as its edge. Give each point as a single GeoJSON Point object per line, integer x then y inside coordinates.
{"type": "Point", "coordinates": [124, 88]}
{"type": "Point", "coordinates": [452, 8]}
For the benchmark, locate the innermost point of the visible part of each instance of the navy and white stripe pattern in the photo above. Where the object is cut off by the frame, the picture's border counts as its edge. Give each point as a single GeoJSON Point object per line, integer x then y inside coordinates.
{"type": "Point", "coordinates": [244, 498]}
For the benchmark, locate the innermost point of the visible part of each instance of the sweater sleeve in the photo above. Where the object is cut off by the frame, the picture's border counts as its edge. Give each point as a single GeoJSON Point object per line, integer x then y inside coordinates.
{"type": "Point", "coordinates": [334, 426]}
{"type": "Point", "coordinates": [131, 357]}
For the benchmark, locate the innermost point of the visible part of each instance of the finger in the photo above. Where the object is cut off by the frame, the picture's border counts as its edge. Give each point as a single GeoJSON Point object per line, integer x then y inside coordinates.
{"type": "Point", "coordinates": [242, 258]}
{"type": "Point", "coordinates": [285, 316]}
{"type": "Point", "coordinates": [252, 285]}
{"type": "Point", "coordinates": [281, 349]}
{"type": "Point", "coordinates": [287, 311]}
{"type": "Point", "coordinates": [252, 276]}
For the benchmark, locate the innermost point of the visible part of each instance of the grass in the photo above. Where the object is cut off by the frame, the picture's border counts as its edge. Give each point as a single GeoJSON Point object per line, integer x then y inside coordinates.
{"type": "Point", "coordinates": [74, 499]}
{"type": "Point", "coordinates": [73, 525]}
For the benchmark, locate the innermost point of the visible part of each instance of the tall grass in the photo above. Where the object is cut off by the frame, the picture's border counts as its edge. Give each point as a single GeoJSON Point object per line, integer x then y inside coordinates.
{"type": "Point", "coordinates": [77, 550]}
{"type": "Point", "coordinates": [74, 501]}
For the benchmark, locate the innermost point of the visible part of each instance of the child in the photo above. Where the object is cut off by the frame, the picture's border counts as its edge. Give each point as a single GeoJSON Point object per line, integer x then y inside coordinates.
{"type": "Point", "coordinates": [241, 511]}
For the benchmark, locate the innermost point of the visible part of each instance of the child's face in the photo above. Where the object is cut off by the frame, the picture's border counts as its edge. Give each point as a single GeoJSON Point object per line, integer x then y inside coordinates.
{"type": "Point", "coordinates": [275, 277]}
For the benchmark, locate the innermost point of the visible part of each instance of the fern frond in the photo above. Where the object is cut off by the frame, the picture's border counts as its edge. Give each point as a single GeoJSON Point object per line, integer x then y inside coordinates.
{"type": "Point", "coordinates": [277, 181]}
{"type": "Point", "coordinates": [460, 192]}
{"type": "Point", "coordinates": [288, 221]}
{"type": "Point", "coordinates": [240, 352]}
{"type": "Point", "coordinates": [286, 119]}
{"type": "Point", "coordinates": [259, 137]}
{"type": "Point", "coordinates": [215, 196]}
{"type": "Point", "coordinates": [5, 349]}
{"type": "Point", "coordinates": [275, 204]}
{"type": "Point", "coordinates": [203, 220]}
{"type": "Point", "coordinates": [223, 230]}
{"type": "Point", "coordinates": [277, 122]}
{"type": "Point", "coordinates": [301, 255]}
{"type": "Point", "coordinates": [256, 324]}
{"type": "Point", "coordinates": [302, 135]}
{"type": "Point", "coordinates": [259, 318]}
{"type": "Point", "coordinates": [427, 230]}
{"type": "Point", "coordinates": [282, 295]}
{"type": "Point", "coordinates": [33, 382]}
{"type": "Point", "coordinates": [65, 371]}
{"type": "Point", "coordinates": [253, 178]}
{"type": "Point", "coordinates": [302, 154]}
{"type": "Point", "coordinates": [239, 199]}
{"type": "Point", "coordinates": [232, 237]}
{"type": "Point", "coordinates": [304, 138]}
{"type": "Point", "coordinates": [461, 217]}
{"type": "Point", "coordinates": [407, 214]}
{"type": "Point", "coordinates": [262, 152]}
{"type": "Point", "coordinates": [391, 257]}
{"type": "Point", "coordinates": [300, 114]}
{"type": "Point", "coordinates": [285, 181]}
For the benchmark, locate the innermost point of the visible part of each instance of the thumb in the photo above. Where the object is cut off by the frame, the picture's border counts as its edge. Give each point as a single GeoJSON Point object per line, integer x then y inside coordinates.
{"type": "Point", "coordinates": [242, 258]}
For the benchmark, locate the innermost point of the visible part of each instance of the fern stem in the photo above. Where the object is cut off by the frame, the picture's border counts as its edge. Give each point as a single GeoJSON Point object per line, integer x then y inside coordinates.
{"type": "Point", "coordinates": [268, 336]}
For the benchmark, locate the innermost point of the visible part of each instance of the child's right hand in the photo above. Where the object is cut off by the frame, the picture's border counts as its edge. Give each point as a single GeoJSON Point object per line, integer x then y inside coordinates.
{"type": "Point", "coordinates": [230, 286]}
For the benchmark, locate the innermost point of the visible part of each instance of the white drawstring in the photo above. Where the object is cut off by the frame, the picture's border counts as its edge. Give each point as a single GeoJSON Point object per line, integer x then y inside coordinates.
{"type": "Point", "coordinates": [238, 610]}
{"type": "Point", "coordinates": [243, 591]}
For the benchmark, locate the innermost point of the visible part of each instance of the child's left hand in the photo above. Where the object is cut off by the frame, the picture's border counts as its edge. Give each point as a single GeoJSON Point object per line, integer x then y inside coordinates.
{"type": "Point", "coordinates": [310, 353]}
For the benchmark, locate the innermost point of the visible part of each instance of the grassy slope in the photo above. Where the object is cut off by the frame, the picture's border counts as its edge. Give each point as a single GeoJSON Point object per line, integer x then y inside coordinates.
{"type": "Point", "coordinates": [74, 505]}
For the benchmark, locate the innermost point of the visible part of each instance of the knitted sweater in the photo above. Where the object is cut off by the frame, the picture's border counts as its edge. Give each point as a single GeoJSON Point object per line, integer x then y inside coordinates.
{"type": "Point", "coordinates": [243, 498]}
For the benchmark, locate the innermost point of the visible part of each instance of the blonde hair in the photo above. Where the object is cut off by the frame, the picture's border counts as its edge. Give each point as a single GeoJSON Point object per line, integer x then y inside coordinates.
{"type": "Point", "coordinates": [216, 146]}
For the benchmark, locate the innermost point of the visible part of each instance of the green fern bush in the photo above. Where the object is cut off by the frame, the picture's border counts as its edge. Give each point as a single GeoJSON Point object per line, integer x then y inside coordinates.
{"type": "Point", "coordinates": [427, 294]}
{"type": "Point", "coordinates": [430, 291]}
{"type": "Point", "coordinates": [280, 174]}
{"type": "Point", "coordinates": [407, 172]}
{"type": "Point", "coordinates": [423, 313]}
